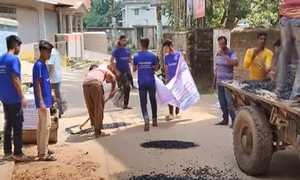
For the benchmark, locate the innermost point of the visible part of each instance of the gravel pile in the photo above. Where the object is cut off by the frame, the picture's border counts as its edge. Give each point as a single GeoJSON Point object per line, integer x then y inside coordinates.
{"type": "Point", "coordinates": [169, 144]}
{"type": "Point", "coordinates": [115, 125]}
{"type": "Point", "coordinates": [266, 88]}
{"type": "Point", "coordinates": [204, 173]}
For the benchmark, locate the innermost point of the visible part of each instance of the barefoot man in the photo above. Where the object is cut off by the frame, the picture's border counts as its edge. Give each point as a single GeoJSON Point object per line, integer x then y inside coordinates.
{"type": "Point", "coordinates": [94, 95]}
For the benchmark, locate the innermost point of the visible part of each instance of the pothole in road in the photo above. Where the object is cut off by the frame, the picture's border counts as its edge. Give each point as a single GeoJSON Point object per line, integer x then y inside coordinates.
{"type": "Point", "coordinates": [169, 144]}
{"type": "Point", "coordinates": [203, 173]}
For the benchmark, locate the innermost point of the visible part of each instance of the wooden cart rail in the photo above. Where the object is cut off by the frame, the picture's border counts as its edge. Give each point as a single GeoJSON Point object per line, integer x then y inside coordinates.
{"type": "Point", "coordinates": [239, 93]}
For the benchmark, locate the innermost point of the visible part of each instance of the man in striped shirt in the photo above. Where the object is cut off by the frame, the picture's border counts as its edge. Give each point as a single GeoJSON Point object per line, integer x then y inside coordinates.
{"type": "Point", "coordinates": [290, 30]}
{"type": "Point", "coordinates": [225, 62]}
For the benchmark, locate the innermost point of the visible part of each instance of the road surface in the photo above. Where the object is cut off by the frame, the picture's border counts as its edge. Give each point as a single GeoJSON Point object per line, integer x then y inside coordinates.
{"type": "Point", "coordinates": [120, 156]}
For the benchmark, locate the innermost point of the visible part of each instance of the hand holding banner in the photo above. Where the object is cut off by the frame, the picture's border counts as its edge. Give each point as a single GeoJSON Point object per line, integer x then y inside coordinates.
{"type": "Point", "coordinates": [181, 91]}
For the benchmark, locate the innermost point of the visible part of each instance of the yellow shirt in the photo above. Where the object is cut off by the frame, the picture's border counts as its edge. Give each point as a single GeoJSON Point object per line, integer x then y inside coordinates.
{"type": "Point", "coordinates": [259, 64]}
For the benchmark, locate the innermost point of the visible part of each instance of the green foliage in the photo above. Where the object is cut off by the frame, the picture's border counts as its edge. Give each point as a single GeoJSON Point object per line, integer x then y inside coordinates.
{"type": "Point", "coordinates": [256, 12]}
{"type": "Point", "coordinates": [263, 13]}
{"type": "Point", "coordinates": [100, 13]}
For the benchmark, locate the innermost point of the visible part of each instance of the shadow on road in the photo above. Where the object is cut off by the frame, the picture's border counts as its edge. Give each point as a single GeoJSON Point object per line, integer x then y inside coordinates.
{"type": "Point", "coordinates": [132, 128]}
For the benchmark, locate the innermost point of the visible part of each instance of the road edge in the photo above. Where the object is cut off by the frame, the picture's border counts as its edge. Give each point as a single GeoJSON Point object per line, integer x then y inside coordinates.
{"type": "Point", "coordinates": [6, 169]}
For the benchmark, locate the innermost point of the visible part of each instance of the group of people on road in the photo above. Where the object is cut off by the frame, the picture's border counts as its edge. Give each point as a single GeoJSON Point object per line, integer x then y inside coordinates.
{"type": "Point", "coordinates": [145, 63]}
{"type": "Point", "coordinates": [13, 98]}
{"type": "Point", "coordinates": [262, 62]}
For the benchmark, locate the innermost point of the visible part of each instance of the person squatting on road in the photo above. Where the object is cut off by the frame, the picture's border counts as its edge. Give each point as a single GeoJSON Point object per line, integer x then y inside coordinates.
{"type": "Point", "coordinates": [290, 38]}
{"type": "Point", "coordinates": [43, 100]}
{"type": "Point", "coordinates": [225, 61]}
{"type": "Point", "coordinates": [12, 99]}
{"type": "Point", "coordinates": [171, 63]}
{"type": "Point", "coordinates": [259, 59]}
{"type": "Point", "coordinates": [54, 65]}
{"type": "Point", "coordinates": [146, 63]}
{"type": "Point", "coordinates": [94, 95]}
{"type": "Point", "coordinates": [123, 57]}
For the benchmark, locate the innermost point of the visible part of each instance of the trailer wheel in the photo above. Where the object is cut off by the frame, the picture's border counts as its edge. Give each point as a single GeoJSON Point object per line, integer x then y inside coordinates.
{"type": "Point", "coordinates": [252, 141]}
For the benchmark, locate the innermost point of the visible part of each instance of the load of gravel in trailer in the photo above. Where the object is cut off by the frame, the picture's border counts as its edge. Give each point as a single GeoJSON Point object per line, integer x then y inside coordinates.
{"type": "Point", "coordinates": [265, 87]}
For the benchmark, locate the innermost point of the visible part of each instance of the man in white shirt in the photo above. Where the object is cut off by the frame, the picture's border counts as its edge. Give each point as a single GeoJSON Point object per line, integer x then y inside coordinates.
{"type": "Point", "coordinates": [54, 66]}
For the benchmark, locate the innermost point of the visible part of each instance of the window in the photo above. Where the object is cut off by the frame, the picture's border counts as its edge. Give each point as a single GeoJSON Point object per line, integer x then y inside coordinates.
{"type": "Point", "coordinates": [136, 12]}
{"type": "Point", "coordinates": [8, 12]}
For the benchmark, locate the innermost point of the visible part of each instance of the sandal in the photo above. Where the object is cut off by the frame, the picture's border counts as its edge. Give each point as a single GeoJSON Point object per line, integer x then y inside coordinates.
{"type": "Point", "coordinates": [47, 158]}
{"type": "Point", "coordinates": [21, 158]}
{"type": "Point", "coordinates": [178, 116]}
{"type": "Point", "coordinates": [50, 152]}
{"type": "Point", "coordinates": [169, 117]}
{"type": "Point", "coordinates": [7, 157]}
{"type": "Point", "coordinates": [127, 107]}
{"type": "Point", "coordinates": [101, 134]}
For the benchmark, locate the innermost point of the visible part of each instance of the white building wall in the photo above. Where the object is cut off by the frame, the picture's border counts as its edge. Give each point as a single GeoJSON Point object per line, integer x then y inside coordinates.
{"type": "Point", "coordinates": [31, 18]}
{"type": "Point", "coordinates": [28, 25]}
{"type": "Point", "coordinates": [141, 14]}
{"type": "Point", "coordinates": [51, 25]}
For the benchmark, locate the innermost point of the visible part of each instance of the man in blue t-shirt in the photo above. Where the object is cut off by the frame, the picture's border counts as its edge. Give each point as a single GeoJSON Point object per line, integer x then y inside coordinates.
{"type": "Point", "coordinates": [12, 99]}
{"type": "Point", "coordinates": [171, 63]}
{"type": "Point", "coordinates": [123, 57]}
{"type": "Point", "coordinates": [43, 100]}
{"type": "Point", "coordinates": [146, 63]}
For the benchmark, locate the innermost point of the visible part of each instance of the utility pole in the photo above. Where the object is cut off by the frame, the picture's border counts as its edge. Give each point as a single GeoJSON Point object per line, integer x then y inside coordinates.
{"type": "Point", "coordinates": [159, 32]}
{"type": "Point", "coordinates": [113, 23]}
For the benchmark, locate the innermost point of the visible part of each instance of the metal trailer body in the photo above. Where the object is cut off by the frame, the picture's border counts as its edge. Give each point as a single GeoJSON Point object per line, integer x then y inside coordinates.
{"type": "Point", "coordinates": [262, 127]}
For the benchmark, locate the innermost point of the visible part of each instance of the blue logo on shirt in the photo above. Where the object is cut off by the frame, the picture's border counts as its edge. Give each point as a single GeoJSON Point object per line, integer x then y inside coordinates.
{"type": "Point", "coordinates": [145, 62]}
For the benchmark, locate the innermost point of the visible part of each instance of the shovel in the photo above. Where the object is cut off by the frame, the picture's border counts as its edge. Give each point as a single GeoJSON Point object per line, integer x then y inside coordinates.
{"type": "Point", "coordinates": [88, 119]}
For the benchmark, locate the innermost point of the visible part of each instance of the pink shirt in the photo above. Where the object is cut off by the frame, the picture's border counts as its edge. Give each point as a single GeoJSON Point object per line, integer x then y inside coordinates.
{"type": "Point", "coordinates": [290, 8]}
{"type": "Point", "coordinates": [96, 74]}
{"type": "Point", "coordinates": [290, 3]}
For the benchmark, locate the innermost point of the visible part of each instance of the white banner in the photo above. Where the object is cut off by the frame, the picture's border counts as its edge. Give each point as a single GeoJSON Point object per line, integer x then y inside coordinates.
{"type": "Point", "coordinates": [30, 114]}
{"type": "Point", "coordinates": [189, 7]}
{"type": "Point", "coordinates": [164, 95]}
{"type": "Point", "coordinates": [181, 91]}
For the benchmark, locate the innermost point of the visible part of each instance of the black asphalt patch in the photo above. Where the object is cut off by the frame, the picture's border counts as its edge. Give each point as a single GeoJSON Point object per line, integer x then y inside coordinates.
{"type": "Point", "coordinates": [169, 144]}
{"type": "Point", "coordinates": [90, 130]}
{"type": "Point", "coordinates": [205, 173]}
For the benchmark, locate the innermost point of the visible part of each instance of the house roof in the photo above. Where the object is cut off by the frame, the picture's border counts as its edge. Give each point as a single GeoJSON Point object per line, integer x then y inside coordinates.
{"type": "Point", "coordinates": [87, 3]}
{"type": "Point", "coordinates": [76, 5]}
{"type": "Point", "coordinates": [66, 2]}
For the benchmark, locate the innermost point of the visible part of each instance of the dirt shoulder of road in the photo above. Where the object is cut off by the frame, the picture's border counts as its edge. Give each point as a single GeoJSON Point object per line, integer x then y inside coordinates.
{"type": "Point", "coordinates": [72, 163]}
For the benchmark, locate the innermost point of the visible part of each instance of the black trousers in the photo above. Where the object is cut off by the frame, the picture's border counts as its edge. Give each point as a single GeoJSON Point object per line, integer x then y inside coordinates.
{"type": "Point", "coordinates": [171, 110]}
{"type": "Point", "coordinates": [124, 84]}
{"type": "Point", "coordinates": [143, 91]}
{"type": "Point", "coordinates": [131, 79]}
{"type": "Point", "coordinates": [13, 115]}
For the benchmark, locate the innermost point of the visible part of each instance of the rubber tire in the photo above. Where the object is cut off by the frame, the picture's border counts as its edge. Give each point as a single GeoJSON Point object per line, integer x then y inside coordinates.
{"type": "Point", "coordinates": [258, 162]}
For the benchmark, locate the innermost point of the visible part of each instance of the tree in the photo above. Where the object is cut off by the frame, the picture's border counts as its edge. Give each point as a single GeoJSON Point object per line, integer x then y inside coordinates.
{"type": "Point", "coordinates": [231, 15]}
{"type": "Point", "coordinates": [100, 13]}
{"type": "Point", "coordinates": [264, 13]}
{"type": "Point", "coordinates": [226, 13]}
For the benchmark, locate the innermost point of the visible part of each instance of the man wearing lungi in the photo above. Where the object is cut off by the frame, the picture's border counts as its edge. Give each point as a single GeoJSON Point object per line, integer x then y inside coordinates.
{"type": "Point", "coordinates": [94, 95]}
